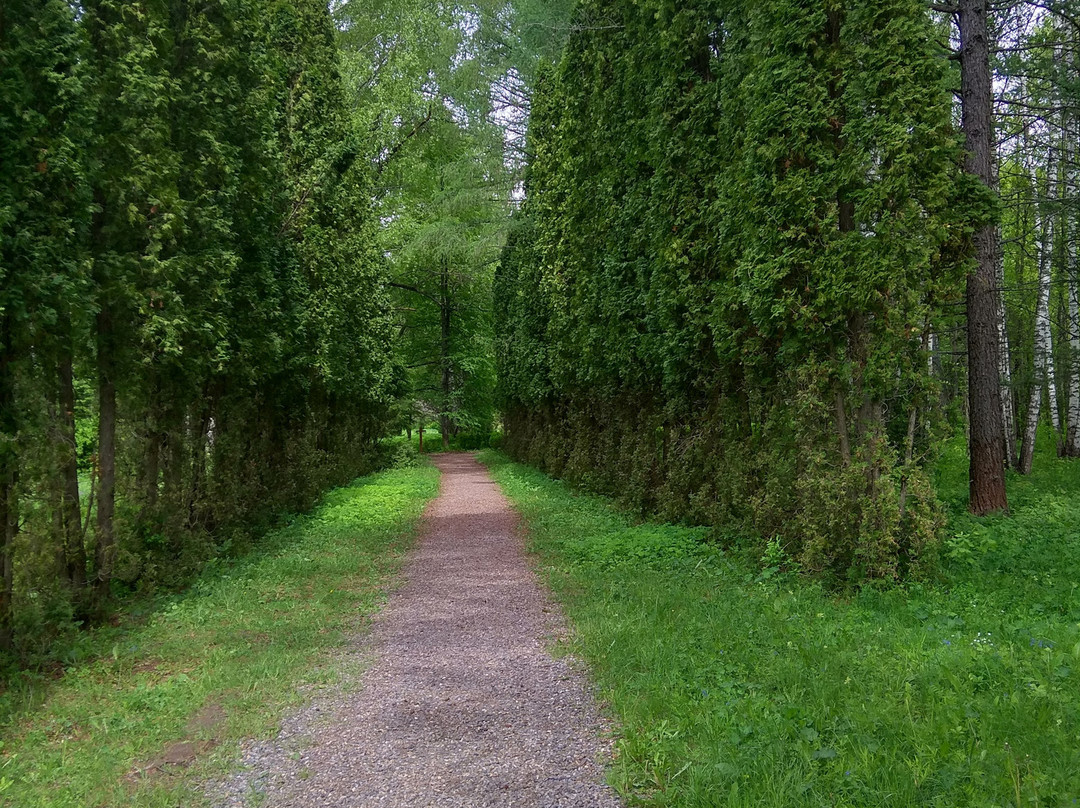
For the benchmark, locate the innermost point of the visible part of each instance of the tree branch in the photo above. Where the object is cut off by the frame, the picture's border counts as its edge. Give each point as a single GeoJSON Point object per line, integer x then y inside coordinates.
{"type": "Point", "coordinates": [390, 155]}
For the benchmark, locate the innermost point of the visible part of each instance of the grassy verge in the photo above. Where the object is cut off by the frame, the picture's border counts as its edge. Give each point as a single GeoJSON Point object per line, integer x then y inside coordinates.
{"type": "Point", "coordinates": [163, 706]}
{"type": "Point", "coordinates": [736, 684]}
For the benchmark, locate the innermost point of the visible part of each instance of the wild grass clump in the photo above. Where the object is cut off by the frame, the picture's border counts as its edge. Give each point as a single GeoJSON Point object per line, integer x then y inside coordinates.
{"type": "Point", "coordinates": [737, 682]}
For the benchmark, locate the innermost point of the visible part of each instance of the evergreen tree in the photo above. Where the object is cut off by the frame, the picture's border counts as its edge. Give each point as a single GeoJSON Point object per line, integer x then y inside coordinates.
{"type": "Point", "coordinates": [740, 331]}
{"type": "Point", "coordinates": [44, 212]}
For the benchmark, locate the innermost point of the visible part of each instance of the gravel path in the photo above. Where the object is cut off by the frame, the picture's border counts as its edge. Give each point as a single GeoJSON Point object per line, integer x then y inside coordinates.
{"type": "Point", "coordinates": [462, 706]}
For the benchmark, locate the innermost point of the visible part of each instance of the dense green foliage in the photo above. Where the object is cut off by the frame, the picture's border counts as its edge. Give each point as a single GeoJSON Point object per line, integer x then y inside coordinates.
{"type": "Point", "coordinates": [195, 320]}
{"type": "Point", "coordinates": [430, 82]}
{"type": "Point", "coordinates": [207, 668]}
{"type": "Point", "coordinates": [734, 682]}
{"type": "Point", "coordinates": [1040, 181]}
{"type": "Point", "coordinates": [451, 215]}
{"type": "Point", "coordinates": [742, 223]}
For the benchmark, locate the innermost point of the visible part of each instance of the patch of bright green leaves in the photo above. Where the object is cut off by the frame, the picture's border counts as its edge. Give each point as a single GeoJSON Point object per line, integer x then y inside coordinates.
{"type": "Point", "coordinates": [736, 683]}
{"type": "Point", "coordinates": [214, 665]}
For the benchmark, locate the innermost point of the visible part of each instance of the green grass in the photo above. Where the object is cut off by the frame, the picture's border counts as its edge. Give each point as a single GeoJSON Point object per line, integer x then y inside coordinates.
{"type": "Point", "coordinates": [219, 663]}
{"type": "Point", "coordinates": [736, 684]}
{"type": "Point", "coordinates": [465, 442]}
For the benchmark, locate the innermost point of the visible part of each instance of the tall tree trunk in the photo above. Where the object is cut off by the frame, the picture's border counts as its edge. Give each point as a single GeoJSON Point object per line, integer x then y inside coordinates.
{"type": "Point", "coordinates": [149, 480]}
{"type": "Point", "coordinates": [104, 535]}
{"type": "Point", "coordinates": [197, 505]}
{"type": "Point", "coordinates": [1071, 127]}
{"type": "Point", "coordinates": [172, 489]}
{"type": "Point", "coordinates": [1049, 239]}
{"type": "Point", "coordinates": [1008, 403]}
{"type": "Point", "coordinates": [1041, 360]}
{"type": "Point", "coordinates": [987, 455]}
{"type": "Point", "coordinates": [444, 355]}
{"type": "Point", "coordinates": [1072, 435]}
{"type": "Point", "coordinates": [70, 507]}
{"type": "Point", "coordinates": [1005, 368]}
{"type": "Point", "coordinates": [9, 480]}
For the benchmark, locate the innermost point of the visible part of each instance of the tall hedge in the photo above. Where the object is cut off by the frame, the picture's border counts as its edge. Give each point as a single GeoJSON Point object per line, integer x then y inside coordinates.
{"type": "Point", "coordinates": [194, 325]}
{"type": "Point", "coordinates": [742, 222]}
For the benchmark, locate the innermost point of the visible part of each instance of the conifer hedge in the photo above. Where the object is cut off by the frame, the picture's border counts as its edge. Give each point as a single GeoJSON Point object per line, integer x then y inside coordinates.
{"type": "Point", "coordinates": [194, 325]}
{"type": "Point", "coordinates": [742, 222]}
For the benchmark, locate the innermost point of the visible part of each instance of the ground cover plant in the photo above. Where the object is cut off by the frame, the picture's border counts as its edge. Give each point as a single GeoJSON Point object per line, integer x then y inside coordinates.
{"type": "Point", "coordinates": [737, 682]}
{"type": "Point", "coordinates": [163, 705]}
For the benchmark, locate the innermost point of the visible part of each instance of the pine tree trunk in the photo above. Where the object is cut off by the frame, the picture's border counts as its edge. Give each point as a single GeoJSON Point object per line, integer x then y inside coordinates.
{"type": "Point", "coordinates": [987, 455]}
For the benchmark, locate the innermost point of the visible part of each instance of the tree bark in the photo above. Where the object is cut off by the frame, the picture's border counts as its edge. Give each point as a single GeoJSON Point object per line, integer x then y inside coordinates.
{"type": "Point", "coordinates": [1072, 434]}
{"type": "Point", "coordinates": [172, 488]}
{"type": "Point", "coordinates": [1071, 236]}
{"type": "Point", "coordinates": [1045, 326]}
{"type": "Point", "coordinates": [1040, 357]}
{"type": "Point", "coordinates": [1005, 368]}
{"type": "Point", "coordinates": [198, 514]}
{"type": "Point", "coordinates": [74, 551]}
{"type": "Point", "coordinates": [987, 455]}
{"type": "Point", "coordinates": [9, 480]}
{"type": "Point", "coordinates": [149, 481]}
{"type": "Point", "coordinates": [444, 356]}
{"type": "Point", "coordinates": [104, 545]}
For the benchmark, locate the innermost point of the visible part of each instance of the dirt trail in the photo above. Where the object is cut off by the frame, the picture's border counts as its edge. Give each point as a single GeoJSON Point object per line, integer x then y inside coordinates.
{"type": "Point", "coordinates": [462, 705]}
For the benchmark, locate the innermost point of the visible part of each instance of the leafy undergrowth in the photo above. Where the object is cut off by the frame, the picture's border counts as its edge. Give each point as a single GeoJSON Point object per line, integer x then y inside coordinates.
{"type": "Point", "coordinates": [163, 707]}
{"type": "Point", "coordinates": [465, 442]}
{"type": "Point", "coordinates": [743, 685]}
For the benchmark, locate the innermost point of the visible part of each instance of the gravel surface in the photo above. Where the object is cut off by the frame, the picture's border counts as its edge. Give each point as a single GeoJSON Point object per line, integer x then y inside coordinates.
{"type": "Point", "coordinates": [462, 705]}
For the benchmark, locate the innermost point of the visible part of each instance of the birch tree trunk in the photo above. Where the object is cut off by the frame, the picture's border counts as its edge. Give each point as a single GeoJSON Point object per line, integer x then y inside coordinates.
{"type": "Point", "coordinates": [1042, 335]}
{"type": "Point", "coordinates": [1072, 436]}
{"type": "Point", "coordinates": [1049, 371]}
{"type": "Point", "coordinates": [1008, 419]}
{"type": "Point", "coordinates": [1071, 128]}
